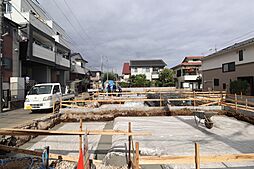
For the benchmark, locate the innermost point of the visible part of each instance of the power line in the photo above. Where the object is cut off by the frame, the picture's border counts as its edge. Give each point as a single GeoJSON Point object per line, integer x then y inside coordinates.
{"type": "Point", "coordinates": [67, 19]}
{"type": "Point", "coordinates": [82, 28]}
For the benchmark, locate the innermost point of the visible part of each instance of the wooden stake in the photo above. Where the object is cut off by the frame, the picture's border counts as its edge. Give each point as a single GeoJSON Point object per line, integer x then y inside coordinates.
{"type": "Point", "coordinates": [235, 102]}
{"type": "Point", "coordinates": [137, 156]}
{"type": "Point", "coordinates": [221, 97]}
{"type": "Point", "coordinates": [160, 100]}
{"type": "Point", "coordinates": [80, 136]}
{"type": "Point", "coordinates": [194, 101]}
{"type": "Point", "coordinates": [246, 103]}
{"type": "Point", "coordinates": [53, 105]}
{"type": "Point", "coordinates": [129, 150]}
{"type": "Point", "coordinates": [197, 156]}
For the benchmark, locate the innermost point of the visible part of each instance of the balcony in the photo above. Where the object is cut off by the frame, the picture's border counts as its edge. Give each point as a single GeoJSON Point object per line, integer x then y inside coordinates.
{"type": "Point", "coordinates": [43, 53]}
{"type": "Point", "coordinates": [155, 75]}
{"type": "Point", "coordinates": [190, 77]}
{"type": "Point", "coordinates": [60, 60]}
{"type": "Point", "coordinates": [36, 22]}
{"type": "Point", "coordinates": [78, 69]}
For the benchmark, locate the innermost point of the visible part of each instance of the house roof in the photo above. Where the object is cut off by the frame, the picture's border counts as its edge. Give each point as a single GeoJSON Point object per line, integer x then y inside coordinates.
{"type": "Point", "coordinates": [198, 63]}
{"type": "Point", "coordinates": [192, 57]}
{"type": "Point", "coordinates": [126, 69]}
{"type": "Point", "coordinates": [231, 48]}
{"type": "Point", "coordinates": [186, 61]}
{"type": "Point", "coordinates": [78, 56]}
{"type": "Point", "coordinates": [147, 63]}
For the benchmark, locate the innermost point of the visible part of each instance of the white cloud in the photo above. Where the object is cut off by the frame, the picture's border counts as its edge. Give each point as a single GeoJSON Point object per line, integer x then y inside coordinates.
{"type": "Point", "coordinates": [130, 29]}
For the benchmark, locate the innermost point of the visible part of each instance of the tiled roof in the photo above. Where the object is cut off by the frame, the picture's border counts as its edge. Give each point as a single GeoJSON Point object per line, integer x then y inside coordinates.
{"type": "Point", "coordinates": [126, 69]}
{"type": "Point", "coordinates": [191, 63]}
{"type": "Point", "coordinates": [147, 63]}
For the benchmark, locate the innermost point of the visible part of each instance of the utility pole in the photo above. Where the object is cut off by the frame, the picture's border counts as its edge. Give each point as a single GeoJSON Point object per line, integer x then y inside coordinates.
{"type": "Point", "coordinates": [1, 53]}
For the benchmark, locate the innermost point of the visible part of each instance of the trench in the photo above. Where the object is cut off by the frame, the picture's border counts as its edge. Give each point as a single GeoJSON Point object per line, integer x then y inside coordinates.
{"type": "Point", "coordinates": [104, 145]}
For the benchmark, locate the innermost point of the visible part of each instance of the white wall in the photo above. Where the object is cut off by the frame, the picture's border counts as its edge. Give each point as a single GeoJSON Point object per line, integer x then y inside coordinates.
{"type": "Point", "coordinates": [217, 61]}
{"type": "Point", "coordinates": [142, 70]}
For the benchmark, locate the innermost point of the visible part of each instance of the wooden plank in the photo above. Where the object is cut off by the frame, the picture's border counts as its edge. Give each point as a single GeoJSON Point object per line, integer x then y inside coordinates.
{"type": "Point", "coordinates": [37, 153]}
{"type": "Point", "coordinates": [111, 100]}
{"type": "Point", "coordinates": [240, 107]}
{"type": "Point", "coordinates": [166, 160]}
{"type": "Point", "coordinates": [191, 159]}
{"type": "Point", "coordinates": [208, 104]}
{"type": "Point", "coordinates": [11, 131]}
{"type": "Point", "coordinates": [197, 99]}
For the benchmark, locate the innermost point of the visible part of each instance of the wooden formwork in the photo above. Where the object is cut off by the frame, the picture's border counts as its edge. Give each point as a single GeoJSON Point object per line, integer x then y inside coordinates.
{"type": "Point", "coordinates": [196, 159]}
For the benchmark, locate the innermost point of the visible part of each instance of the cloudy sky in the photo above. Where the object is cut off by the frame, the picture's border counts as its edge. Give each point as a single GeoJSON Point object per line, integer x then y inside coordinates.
{"type": "Point", "coordinates": [122, 30]}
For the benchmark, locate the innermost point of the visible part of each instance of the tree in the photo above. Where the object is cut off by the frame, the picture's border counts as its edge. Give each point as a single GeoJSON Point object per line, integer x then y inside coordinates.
{"type": "Point", "coordinates": [108, 76]}
{"type": "Point", "coordinates": [139, 81]}
{"type": "Point", "coordinates": [166, 78]}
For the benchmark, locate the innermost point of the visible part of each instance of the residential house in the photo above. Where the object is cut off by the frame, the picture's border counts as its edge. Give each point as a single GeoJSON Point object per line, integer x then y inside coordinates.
{"type": "Point", "coordinates": [79, 74]}
{"type": "Point", "coordinates": [126, 72]}
{"type": "Point", "coordinates": [95, 79]}
{"type": "Point", "coordinates": [150, 68]}
{"type": "Point", "coordinates": [44, 52]}
{"type": "Point", "coordinates": [231, 63]}
{"type": "Point", "coordinates": [188, 73]}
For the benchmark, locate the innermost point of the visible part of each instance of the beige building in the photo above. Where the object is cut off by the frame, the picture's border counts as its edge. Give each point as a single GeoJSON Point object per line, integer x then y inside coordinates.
{"type": "Point", "coordinates": [235, 62]}
{"type": "Point", "coordinates": [188, 73]}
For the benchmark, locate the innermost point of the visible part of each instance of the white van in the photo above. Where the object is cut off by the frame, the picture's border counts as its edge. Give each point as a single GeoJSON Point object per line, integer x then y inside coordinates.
{"type": "Point", "coordinates": [44, 96]}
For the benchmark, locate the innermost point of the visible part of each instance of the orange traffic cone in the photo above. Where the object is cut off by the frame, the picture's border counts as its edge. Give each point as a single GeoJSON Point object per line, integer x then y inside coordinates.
{"type": "Point", "coordinates": [80, 160]}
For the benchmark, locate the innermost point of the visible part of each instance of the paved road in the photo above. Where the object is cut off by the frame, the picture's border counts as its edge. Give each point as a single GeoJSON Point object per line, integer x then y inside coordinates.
{"type": "Point", "coordinates": [17, 117]}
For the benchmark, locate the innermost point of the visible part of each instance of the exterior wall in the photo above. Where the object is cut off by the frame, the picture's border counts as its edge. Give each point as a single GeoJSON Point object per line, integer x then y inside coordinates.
{"type": "Point", "coordinates": [188, 81]}
{"type": "Point", "coordinates": [217, 61]}
{"type": "Point", "coordinates": [244, 70]}
{"type": "Point", "coordinates": [212, 68]}
{"type": "Point", "coordinates": [150, 75]}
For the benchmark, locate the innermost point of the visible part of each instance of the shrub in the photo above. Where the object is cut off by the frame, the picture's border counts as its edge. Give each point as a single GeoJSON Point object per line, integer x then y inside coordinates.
{"type": "Point", "coordinates": [239, 86]}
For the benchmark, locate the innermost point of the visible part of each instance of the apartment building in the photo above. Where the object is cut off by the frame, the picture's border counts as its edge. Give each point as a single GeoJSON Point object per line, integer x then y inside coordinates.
{"type": "Point", "coordinates": [44, 53]}
{"type": "Point", "coordinates": [231, 63]}
{"type": "Point", "coordinates": [150, 68]}
{"type": "Point", "coordinates": [188, 73]}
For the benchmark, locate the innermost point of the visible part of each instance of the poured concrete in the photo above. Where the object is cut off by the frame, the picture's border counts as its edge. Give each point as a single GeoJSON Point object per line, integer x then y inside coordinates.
{"type": "Point", "coordinates": [67, 145]}
{"type": "Point", "coordinates": [177, 135]}
{"type": "Point", "coordinates": [171, 135]}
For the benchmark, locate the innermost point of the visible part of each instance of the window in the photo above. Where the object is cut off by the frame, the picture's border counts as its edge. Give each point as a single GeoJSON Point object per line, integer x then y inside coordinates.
{"type": "Point", "coordinates": [228, 67]}
{"type": "Point", "coordinates": [7, 7]}
{"type": "Point", "coordinates": [7, 63]}
{"type": "Point", "coordinates": [216, 82]}
{"type": "Point", "coordinates": [240, 53]}
{"type": "Point", "coordinates": [224, 86]}
{"type": "Point", "coordinates": [147, 69]}
{"type": "Point", "coordinates": [43, 89]}
{"type": "Point", "coordinates": [178, 73]}
{"type": "Point", "coordinates": [135, 69]}
{"type": "Point", "coordinates": [56, 89]}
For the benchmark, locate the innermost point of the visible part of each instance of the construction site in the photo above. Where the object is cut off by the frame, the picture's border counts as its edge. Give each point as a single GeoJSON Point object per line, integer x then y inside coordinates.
{"type": "Point", "coordinates": [148, 128]}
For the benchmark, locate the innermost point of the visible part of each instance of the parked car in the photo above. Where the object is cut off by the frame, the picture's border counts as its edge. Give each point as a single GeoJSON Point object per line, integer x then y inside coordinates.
{"type": "Point", "coordinates": [45, 96]}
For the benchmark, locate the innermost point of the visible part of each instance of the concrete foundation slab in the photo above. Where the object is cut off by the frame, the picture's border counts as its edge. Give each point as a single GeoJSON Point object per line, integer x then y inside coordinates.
{"type": "Point", "coordinates": [177, 135]}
